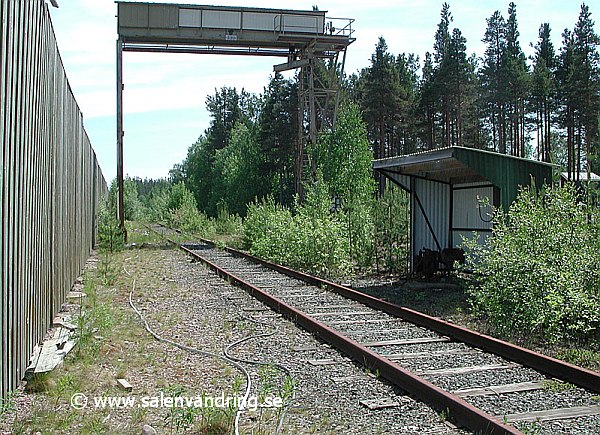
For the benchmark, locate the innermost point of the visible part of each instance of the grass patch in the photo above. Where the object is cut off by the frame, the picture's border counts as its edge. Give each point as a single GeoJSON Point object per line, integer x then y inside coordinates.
{"type": "Point", "coordinates": [582, 357]}
{"type": "Point", "coordinates": [38, 382]}
{"type": "Point", "coordinates": [557, 386]}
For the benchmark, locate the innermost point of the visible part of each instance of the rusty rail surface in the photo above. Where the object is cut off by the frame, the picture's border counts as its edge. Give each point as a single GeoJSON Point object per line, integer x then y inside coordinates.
{"type": "Point", "coordinates": [459, 410]}
{"type": "Point", "coordinates": [551, 366]}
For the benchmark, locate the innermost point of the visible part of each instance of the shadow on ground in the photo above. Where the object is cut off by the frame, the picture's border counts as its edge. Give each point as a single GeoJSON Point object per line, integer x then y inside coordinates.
{"type": "Point", "coordinates": [441, 298]}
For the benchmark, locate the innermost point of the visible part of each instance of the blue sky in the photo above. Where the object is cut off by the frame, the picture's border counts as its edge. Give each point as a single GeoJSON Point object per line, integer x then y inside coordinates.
{"type": "Point", "coordinates": [164, 97]}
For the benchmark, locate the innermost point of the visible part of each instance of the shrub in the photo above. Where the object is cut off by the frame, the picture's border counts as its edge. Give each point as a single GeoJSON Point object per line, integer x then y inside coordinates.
{"type": "Point", "coordinates": [390, 215]}
{"type": "Point", "coordinates": [110, 234]}
{"type": "Point", "coordinates": [188, 219]}
{"type": "Point", "coordinates": [537, 274]}
{"type": "Point", "coordinates": [312, 239]}
{"type": "Point", "coordinates": [132, 206]}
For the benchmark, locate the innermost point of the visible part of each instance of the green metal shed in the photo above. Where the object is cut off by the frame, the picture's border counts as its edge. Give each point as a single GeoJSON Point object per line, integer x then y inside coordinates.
{"type": "Point", "coordinates": [446, 185]}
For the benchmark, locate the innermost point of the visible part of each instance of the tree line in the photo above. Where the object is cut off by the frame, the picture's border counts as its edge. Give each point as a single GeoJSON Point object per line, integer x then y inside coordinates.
{"type": "Point", "coordinates": [544, 107]}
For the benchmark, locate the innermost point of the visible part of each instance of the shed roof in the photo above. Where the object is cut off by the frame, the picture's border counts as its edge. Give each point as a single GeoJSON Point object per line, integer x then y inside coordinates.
{"type": "Point", "coordinates": [583, 176]}
{"type": "Point", "coordinates": [455, 165]}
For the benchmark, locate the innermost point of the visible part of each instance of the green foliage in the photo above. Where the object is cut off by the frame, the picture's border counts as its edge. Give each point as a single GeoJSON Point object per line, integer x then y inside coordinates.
{"type": "Point", "coordinates": [110, 234]}
{"type": "Point", "coordinates": [94, 320]}
{"type": "Point", "coordinates": [178, 418]}
{"type": "Point", "coordinates": [345, 159]}
{"type": "Point", "coordinates": [38, 382]}
{"type": "Point", "coordinates": [390, 216]}
{"type": "Point", "coordinates": [179, 196]}
{"type": "Point", "coordinates": [189, 220]}
{"type": "Point", "coordinates": [7, 403]}
{"type": "Point", "coordinates": [312, 239]}
{"type": "Point", "coordinates": [537, 274]}
{"type": "Point", "coordinates": [237, 167]}
{"type": "Point", "coordinates": [131, 203]}
{"type": "Point", "coordinates": [557, 386]}
{"type": "Point", "coordinates": [580, 357]}
{"type": "Point", "coordinates": [529, 428]}
{"type": "Point", "coordinates": [340, 225]}
{"type": "Point", "coordinates": [227, 223]}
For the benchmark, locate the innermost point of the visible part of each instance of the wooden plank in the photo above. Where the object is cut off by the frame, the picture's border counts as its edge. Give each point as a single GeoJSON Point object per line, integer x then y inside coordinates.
{"type": "Point", "coordinates": [465, 370]}
{"type": "Point", "coordinates": [300, 295]}
{"type": "Point", "coordinates": [52, 354]}
{"type": "Point", "coordinates": [553, 414]}
{"type": "Point", "coordinates": [342, 313]}
{"type": "Point", "coordinates": [366, 321]}
{"type": "Point", "coordinates": [321, 362]}
{"type": "Point", "coordinates": [376, 331]}
{"type": "Point", "coordinates": [306, 348]}
{"type": "Point", "coordinates": [35, 356]}
{"type": "Point", "coordinates": [406, 341]}
{"type": "Point", "coordinates": [336, 307]}
{"type": "Point", "coordinates": [59, 321]}
{"type": "Point", "coordinates": [385, 402]}
{"type": "Point", "coordinates": [500, 389]}
{"type": "Point", "coordinates": [124, 385]}
{"type": "Point", "coordinates": [431, 354]}
{"type": "Point", "coordinates": [352, 378]}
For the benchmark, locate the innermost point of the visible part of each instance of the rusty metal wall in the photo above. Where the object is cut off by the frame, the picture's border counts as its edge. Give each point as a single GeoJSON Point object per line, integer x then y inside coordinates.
{"type": "Point", "coordinates": [50, 184]}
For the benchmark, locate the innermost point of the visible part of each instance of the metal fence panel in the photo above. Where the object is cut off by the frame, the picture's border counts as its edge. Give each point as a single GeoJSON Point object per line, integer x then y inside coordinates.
{"type": "Point", "coordinates": [50, 183]}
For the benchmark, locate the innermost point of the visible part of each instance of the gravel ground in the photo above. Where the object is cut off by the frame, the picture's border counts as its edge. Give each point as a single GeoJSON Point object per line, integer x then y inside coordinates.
{"type": "Point", "coordinates": [202, 310]}
{"type": "Point", "coordinates": [331, 308]}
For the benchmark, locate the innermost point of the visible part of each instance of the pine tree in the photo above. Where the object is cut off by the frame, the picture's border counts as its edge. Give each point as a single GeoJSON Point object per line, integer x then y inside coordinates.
{"type": "Point", "coordinates": [380, 101]}
{"type": "Point", "coordinates": [491, 76]}
{"type": "Point", "coordinates": [443, 73]}
{"type": "Point", "coordinates": [427, 103]}
{"type": "Point", "coordinates": [565, 82]}
{"type": "Point", "coordinates": [380, 95]}
{"type": "Point", "coordinates": [405, 125]}
{"type": "Point", "coordinates": [277, 135]}
{"type": "Point", "coordinates": [578, 77]}
{"type": "Point", "coordinates": [543, 90]}
{"type": "Point", "coordinates": [586, 81]}
{"type": "Point", "coordinates": [458, 81]}
{"type": "Point", "coordinates": [516, 82]}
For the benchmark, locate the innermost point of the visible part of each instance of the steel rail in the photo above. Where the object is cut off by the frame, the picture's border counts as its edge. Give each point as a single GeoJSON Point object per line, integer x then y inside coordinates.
{"type": "Point", "coordinates": [573, 374]}
{"type": "Point", "coordinates": [458, 410]}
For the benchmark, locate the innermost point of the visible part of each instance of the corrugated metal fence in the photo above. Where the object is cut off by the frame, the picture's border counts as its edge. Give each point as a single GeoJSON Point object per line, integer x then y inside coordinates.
{"type": "Point", "coordinates": [50, 184]}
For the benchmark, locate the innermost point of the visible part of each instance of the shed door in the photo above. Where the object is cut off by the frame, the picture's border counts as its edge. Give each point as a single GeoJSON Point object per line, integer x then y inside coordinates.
{"type": "Point", "coordinates": [469, 214]}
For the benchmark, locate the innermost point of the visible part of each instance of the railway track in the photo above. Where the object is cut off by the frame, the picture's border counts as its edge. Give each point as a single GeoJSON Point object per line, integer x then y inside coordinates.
{"type": "Point", "coordinates": [481, 383]}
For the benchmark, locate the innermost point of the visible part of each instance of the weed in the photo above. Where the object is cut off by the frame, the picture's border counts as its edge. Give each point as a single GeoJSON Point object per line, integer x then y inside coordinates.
{"type": "Point", "coordinates": [215, 421]}
{"type": "Point", "coordinates": [268, 381]}
{"type": "Point", "coordinates": [286, 392]}
{"type": "Point", "coordinates": [110, 235]}
{"type": "Point", "coordinates": [444, 414]}
{"type": "Point", "coordinates": [557, 386]}
{"type": "Point", "coordinates": [109, 270]}
{"type": "Point", "coordinates": [178, 418]}
{"type": "Point", "coordinates": [581, 357]}
{"type": "Point", "coordinates": [138, 415]}
{"type": "Point", "coordinates": [7, 404]}
{"type": "Point", "coordinates": [38, 382]}
{"type": "Point", "coordinates": [236, 386]}
{"type": "Point", "coordinates": [529, 428]}
{"type": "Point", "coordinates": [95, 426]}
